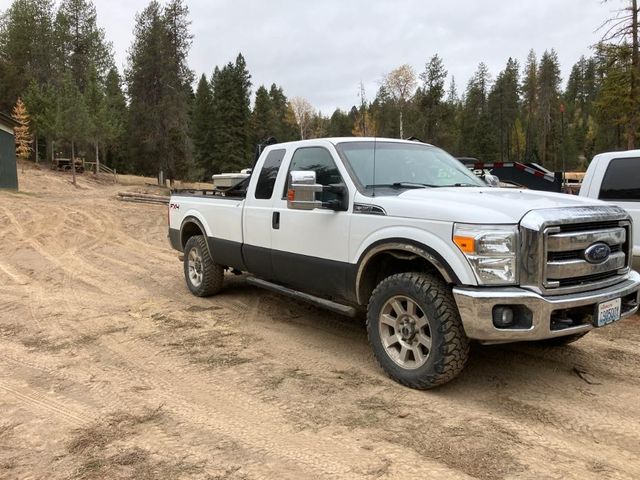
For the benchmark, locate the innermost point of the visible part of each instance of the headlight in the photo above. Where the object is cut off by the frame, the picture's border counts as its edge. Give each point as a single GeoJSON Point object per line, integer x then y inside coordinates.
{"type": "Point", "coordinates": [490, 250]}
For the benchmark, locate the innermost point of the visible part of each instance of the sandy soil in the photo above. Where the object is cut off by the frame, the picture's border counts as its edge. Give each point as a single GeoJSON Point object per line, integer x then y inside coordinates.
{"type": "Point", "coordinates": [109, 368]}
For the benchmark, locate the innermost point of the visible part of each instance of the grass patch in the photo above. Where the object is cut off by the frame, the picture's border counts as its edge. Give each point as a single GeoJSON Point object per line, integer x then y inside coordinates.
{"type": "Point", "coordinates": [38, 341]}
{"type": "Point", "coordinates": [173, 323]}
{"type": "Point", "coordinates": [11, 330]}
{"type": "Point", "coordinates": [135, 463]}
{"type": "Point", "coordinates": [117, 426]}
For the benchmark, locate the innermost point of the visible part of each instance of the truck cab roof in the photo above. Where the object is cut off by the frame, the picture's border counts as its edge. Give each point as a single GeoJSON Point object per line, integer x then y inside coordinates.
{"type": "Point", "coordinates": [337, 140]}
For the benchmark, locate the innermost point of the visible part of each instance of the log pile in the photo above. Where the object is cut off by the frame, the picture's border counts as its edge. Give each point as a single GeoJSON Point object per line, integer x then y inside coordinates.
{"type": "Point", "coordinates": [143, 198]}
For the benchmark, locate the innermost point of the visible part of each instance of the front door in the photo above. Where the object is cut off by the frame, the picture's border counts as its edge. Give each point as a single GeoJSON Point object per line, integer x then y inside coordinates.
{"type": "Point", "coordinates": [310, 248]}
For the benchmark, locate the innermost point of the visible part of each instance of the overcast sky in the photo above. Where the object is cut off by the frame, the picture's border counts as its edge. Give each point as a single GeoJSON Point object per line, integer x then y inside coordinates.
{"type": "Point", "coordinates": [322, 49]}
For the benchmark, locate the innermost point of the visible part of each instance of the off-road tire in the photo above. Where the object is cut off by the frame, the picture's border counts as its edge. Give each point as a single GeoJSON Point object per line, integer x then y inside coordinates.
{"type": "Point", "coordinates": [450, 346]}
{"type": "Point", "coordinates": [561, 341]}
{"type": "Point", "coordinates": [212, 273]}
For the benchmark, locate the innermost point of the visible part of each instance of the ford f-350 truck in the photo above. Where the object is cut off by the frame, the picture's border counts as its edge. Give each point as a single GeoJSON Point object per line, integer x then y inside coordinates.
{"type": "Point", "coordinates": [403, 231]}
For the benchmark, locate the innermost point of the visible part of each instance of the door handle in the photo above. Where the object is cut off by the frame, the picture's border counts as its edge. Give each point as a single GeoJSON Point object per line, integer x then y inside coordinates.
{"type": "Point", "coordinates": [275, 220]}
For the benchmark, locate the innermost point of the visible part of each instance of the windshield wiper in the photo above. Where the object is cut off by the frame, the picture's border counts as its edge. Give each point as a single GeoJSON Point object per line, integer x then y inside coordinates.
{"type": "Point", "coordinates": [401, 185]}
{"type": "Point", "coordinates": [460, 185]}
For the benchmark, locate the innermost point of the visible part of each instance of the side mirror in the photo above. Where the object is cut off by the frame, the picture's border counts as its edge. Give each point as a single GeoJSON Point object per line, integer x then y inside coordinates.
{"type": "Point", "coordinates": [302, 191]}
{"type": "Point", "coordinates": [492, 180]}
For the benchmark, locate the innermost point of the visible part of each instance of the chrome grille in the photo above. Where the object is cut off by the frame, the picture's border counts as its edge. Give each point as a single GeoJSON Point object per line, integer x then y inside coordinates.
{"type": "Point", "coordinates": [553, 258]}
{"type": "Point", "coordinates": [574, 270]}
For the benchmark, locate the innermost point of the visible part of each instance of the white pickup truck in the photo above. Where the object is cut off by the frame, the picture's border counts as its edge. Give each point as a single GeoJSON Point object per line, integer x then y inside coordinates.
{"type": "Point", "coordinates": [404, 231]}
{"type": "Point", "coordinates": [615, 178]}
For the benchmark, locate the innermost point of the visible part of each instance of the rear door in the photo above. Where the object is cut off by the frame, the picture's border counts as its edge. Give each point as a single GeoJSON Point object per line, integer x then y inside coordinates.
{"type": "Point", "coordinates": [259, 219]}
{"type": "Point", "coordinates": [310, 248]}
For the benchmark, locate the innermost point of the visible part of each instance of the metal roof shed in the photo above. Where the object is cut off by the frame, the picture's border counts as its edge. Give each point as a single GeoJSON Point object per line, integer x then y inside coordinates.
{"type": "Point", "coordinates": [8, 168]}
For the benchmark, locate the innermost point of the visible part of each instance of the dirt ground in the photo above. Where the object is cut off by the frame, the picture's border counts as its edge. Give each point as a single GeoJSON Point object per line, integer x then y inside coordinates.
{"type": "Point", "coordinates": [110, 368]}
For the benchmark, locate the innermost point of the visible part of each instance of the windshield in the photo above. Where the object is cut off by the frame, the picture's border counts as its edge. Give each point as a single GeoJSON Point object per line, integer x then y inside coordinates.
{"type": "Point", "coordinates": [405, 165]}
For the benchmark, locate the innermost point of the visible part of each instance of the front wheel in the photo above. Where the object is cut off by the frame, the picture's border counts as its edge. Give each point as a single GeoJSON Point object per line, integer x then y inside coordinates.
{"type": "Point", "coordinates": [204, 277]}
{"type": "Point", "coordinates": [415, 330]}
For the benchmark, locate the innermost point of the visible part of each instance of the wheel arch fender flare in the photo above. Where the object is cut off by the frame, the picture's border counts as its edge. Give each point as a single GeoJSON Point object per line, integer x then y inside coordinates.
{"type": "Point", "coordinates": [192, 217]}
{"type": "Point", "coordinates": [434, 253]}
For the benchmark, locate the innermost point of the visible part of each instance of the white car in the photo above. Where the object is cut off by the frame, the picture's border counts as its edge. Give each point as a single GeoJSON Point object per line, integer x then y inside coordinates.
{"type": "Point", "coordinates": [615, 178]}
{"type": "Point", "coordinates": [403, 231]}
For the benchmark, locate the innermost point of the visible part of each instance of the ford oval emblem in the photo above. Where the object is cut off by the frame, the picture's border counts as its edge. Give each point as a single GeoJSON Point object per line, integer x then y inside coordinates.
{"type": "Point", "coordinates": [597, 253]}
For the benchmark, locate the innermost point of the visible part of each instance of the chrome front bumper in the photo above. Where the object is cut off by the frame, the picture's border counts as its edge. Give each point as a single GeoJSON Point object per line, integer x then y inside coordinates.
{"type": "Point", "coordinates": [476, 309]}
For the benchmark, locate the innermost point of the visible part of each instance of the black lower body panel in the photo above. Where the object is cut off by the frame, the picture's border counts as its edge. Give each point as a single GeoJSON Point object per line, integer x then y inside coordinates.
{"type": "Point", "coordinates": [258, 261]}
{"type": "Point", "coordinates": [227, 253]}
{"type": "Point", "coordinates": [318, 276]}
{"type": "Point", "coordinates": [174, 239]}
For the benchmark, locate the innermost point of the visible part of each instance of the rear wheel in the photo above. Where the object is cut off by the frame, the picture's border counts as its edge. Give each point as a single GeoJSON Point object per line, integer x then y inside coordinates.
{"type": "Point", "coordinates": [415, 330]}
{"type": "Point", "coordinates": [204, 277]}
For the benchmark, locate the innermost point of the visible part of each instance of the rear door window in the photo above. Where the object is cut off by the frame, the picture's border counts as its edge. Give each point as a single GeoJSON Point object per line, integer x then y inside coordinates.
{"type": "Point", "coordinates": [622, 180]}
{"type": "Point", "coordinates": [268, 174]}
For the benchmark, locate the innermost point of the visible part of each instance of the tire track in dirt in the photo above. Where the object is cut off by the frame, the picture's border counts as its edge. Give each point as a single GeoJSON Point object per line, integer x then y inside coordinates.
{"type": "Point", "coordinates": [46, 404]}
{"type": "Point", "coordinates": [601, 440]}
{"type": "Point", "coordinates": [296, 347]}
{"type": "Point", "coordinates": [236, 409]}
{"type": "Point", "coordinates": [68, 261]}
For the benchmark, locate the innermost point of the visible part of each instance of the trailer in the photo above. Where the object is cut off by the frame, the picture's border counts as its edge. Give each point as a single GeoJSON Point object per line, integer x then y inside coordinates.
{"type": "Point", "coordinates": [526, 175]}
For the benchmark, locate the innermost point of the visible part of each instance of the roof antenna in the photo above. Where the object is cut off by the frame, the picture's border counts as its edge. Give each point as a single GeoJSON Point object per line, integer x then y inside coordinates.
{"type": "Point", "coordinates": [375, 144]}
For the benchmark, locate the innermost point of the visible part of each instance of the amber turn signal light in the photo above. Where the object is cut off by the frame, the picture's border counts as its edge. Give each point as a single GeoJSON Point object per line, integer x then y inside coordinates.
{"type": "Point", "coordinates": [466, 244]}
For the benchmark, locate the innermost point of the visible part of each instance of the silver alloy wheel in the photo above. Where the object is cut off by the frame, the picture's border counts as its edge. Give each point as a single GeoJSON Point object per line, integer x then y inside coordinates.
{"type": "Point", "coordinates": [405, 332]}
{"type": "Point", "coordinates": [195, 267]}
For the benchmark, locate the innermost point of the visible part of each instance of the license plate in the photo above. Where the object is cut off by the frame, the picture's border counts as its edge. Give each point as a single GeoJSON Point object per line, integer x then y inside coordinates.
{"type": "Point", "coordinates": [608, 312]}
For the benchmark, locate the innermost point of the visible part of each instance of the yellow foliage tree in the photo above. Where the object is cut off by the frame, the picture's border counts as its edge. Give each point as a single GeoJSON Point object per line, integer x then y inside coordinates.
{"type": "Point", "coordinates": [22, 133]}
{"type": "Point", "coordinates": [364, 125]}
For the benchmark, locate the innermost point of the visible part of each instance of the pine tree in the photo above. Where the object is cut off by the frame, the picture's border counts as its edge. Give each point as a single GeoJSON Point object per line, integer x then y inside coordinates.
{"type": "Point", "coordinates": [385, 113]}
{"type": "Point", "coordinates": [340, 124]}
{"type": "Point", "coordinates": [476, 138]}
{"type": "Point", "coordinates": [450, 132]}
{"type": "Point", "coordinates": [285, 129]}
{"type": "Point", "coordinates": [530, 106]}
{"type": "Point", "coordinates": [81, 43]}
{"type": "Point", "coordinates": [26, 48]}
{"type": "Point", "coordinates": [231, 114]}
{"type": "Point", "coordinates": [503, 106]}
{"type": "Point", "coordinates": [430, 98]}
{"type": "Point", "coordinates": [578, 100]}
{"type": "Point", "coordinates": [263, 124]}
{"type": "Point", "coordinates": [41, 102]}
{"type": "Point", "coordinates": [94, 99]}
{"type": "Point", "coordinates": [159, 89]}
{"type": "Point", "coordinates": [548, 94]}
{"type": "Point", "coordinates": [22, 134]}
{"type": "Point", "coordinates": [73, 122]}
{"type": "Point", "coordinates": [623, 38]}
{"type": "Point", "coordinates": [115, 107]}
{"type": "Point", "coordinates": [202, 125]}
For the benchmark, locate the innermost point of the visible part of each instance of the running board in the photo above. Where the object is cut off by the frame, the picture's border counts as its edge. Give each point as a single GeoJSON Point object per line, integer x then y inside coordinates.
{"type": "Point", "coordinates": [305, 297]}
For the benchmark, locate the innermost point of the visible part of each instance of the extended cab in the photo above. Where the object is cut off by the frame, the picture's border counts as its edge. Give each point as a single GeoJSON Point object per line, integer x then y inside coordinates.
{"type": "Point", "coordinates": [404, 231]}
{"type": "Point", "coordinates": [615, 178]}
